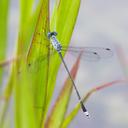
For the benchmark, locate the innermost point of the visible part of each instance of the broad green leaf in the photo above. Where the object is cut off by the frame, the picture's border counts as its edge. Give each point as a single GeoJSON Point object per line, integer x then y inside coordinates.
{"type": "Point", "coordinates": [59, 109]}
{"type": "Point", "coordinates": [28, 18]}
{"type": "Point", "coordinates": [64, 19]}
{"type": "Point", "coordinates": [4, 7]}
{"type": "Point", "coordinates": [26, 9]}
{"type": "Point", "coordinates": [74, 112]}
{"type": "Point", "coordinates": [63, 22]}
{"type": "Point", "coordinates": [24, 102]}
{"type": "Point", "coordinates": [38, 67]}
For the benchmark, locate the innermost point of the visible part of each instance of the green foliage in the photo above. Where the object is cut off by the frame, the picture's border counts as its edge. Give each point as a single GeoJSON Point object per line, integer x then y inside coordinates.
{"type": "Point", "coordinates": [4, 7]}
{"type": "Point", "coordinates": [34, 70]}
{"type": "Point", "coordinates": [32, 78]}
{"type": "Point", "coordinates": [23, 98]}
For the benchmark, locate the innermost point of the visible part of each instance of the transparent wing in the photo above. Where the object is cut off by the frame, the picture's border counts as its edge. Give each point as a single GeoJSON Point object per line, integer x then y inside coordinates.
{"type": "Point", "coordinates": [86, 55]}
{"type": "Point", "coordinates": [90, 53]}
{"type": "Point", "coordinates": [34, 66]}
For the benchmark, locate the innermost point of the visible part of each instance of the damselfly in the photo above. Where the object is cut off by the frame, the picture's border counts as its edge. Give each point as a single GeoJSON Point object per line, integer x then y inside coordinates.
{"type": "Point", "coordinates": [88, 52]}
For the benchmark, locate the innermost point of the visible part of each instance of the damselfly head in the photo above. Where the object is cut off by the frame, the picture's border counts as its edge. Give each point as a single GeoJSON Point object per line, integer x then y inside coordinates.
{"type": "Point", "coordinates": [50, 34]}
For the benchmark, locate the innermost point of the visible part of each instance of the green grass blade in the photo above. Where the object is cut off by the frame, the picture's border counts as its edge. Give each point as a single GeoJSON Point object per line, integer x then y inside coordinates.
{"type": "Point", "coordinates": [4, 7]}
{"type": "Point", "coordinates": [26, 9]}
{"type": "Point", "coordinates": [64, 19]}
{"type": "Point", "coordinates": [59, 109]}
{"type": "Point", "coordinates": [63, 22]}
{"type": "Point", "coordinates": [24, 102]}
{"type": "Point", "coordinates": [6, 97]}
{"type": "Point", "coordinates": [28, 18]}
{"type": "Point", "coordinates": [36, 65]}
{"type": "Point", "coordinates": [40, 42]}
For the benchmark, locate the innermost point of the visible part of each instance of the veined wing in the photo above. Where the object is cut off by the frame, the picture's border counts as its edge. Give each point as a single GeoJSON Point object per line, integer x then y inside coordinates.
{"type": "Point", "coordinates": [34, 66]}
{"type": "Point", "coordinates": [90, 53]}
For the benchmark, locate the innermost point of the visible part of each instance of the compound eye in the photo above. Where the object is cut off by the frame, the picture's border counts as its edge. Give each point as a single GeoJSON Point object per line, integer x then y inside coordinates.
{"type": "Point", "coordinates": [50, 34]}
{"type": "Point", "coordinates": [54, 33]}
